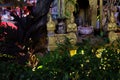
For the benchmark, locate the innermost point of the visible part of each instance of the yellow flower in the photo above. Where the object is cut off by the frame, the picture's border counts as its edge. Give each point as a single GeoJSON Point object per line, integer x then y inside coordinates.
{"type": "Point", "coordinates": [98, 55]}
{"type": "Point", "coordinates": [82, 52]}
{"type": "Point", "coordinates": [73, 52]}
{"type": "Point", "coordinates": [82, 65]}
{"type": "Point", "coordinates": [99, 52]}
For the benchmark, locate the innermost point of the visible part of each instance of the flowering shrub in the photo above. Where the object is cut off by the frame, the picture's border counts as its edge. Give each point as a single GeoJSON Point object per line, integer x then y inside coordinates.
{"type": "Point", "coordinates": [89, 63]}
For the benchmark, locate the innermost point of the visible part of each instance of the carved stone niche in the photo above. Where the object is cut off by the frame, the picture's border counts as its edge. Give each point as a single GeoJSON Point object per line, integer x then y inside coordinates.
{"type": "Point", "coordinates": [93, 9]}
{"type": "Point", "coordinates": [87, 11]}
{"type": "Point", "coordinates": [61, 26]}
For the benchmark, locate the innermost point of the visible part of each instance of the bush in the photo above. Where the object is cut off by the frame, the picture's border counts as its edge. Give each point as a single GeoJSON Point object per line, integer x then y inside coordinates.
{"type": "Point", "coordinates": [89, 63]}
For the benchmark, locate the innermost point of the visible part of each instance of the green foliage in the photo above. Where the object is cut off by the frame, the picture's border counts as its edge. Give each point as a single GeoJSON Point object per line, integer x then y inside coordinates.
{"type": "Point", "coordinates": [11, 71]}
{"type": "Point", "coordinates": [89, 63]}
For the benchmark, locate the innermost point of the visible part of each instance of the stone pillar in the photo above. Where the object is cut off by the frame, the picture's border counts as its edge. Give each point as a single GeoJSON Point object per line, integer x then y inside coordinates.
{"type": "Point", "coordinates": [101, 12]}
{"type": "Point", "coordinates": [51, 35]}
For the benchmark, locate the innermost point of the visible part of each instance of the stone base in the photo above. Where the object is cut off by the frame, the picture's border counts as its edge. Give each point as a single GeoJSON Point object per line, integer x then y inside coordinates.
{"type": "Point", "coordinates": [52, 48]}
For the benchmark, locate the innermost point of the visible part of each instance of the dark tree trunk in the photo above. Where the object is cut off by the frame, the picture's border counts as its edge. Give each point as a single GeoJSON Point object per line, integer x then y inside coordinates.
{"type": "Point", "coordinates": [37, 26]}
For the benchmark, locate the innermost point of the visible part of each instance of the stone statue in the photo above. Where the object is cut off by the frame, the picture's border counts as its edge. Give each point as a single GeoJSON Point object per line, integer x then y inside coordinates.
{"type": "Point", "coordinates": [71, 26]}
{"type": "Point", "coordinates": [69, 8]}
{"type": "Point", "coordinates": [73, 38]}
{"type": "Point", "coordinates": [112, 26]}
{"type": "Point", "coordinates": [50, 25]}
{"type": "Point", "coordinates": [112, 36]}
{"type": "Point", "coordinates": [72, 29]}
